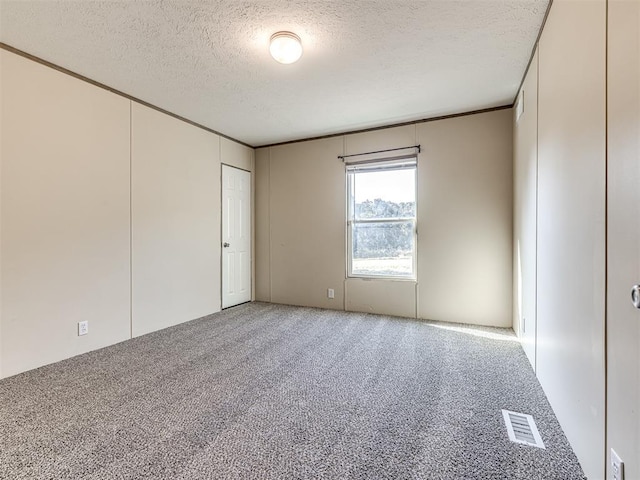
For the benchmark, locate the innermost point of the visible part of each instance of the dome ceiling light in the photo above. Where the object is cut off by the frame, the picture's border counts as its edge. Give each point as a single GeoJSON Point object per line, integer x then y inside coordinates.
{"type": "Point", "coordinates": [285, 47]}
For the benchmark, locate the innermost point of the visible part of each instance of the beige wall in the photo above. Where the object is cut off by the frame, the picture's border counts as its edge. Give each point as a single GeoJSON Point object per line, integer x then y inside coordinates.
{"type": "Point", "coordinates": [65, 215]}
{"type": "Point", "coordinates": [394, 137]}
{"type": "Point", "coordinates": [175, 207]}
{"type": "Point", "coordinates": [623, 226]}
{"type": "Point", "coordinates": [387, 297]}
{"type": "Point", "coordinates": [307, 212]}
{"type": "Point", "coordinates": [262, 277]}
{"type": "Point", "coordinates": [525, 204]}
{"type": "Point", "coordinates": [2, 114]}
{"type": "Point", "coordinates": [464, 222]}
{"type": "Point", "coordinates": [85, 195]}
{"type": "Point", "coordinates": [236, 155]}
{"type": "Point", "coordinates": [571, 224]}
{"type": "Point", "coordinates": [465, 219]}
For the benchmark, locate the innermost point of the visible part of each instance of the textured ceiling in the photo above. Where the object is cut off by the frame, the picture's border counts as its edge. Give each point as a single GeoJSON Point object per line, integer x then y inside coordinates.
{"type": "Point", "coordinates": [366, 62]}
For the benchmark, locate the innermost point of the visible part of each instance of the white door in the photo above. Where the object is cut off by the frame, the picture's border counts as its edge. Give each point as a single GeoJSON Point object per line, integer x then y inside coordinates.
{"type": "Point", "coordinates": [623, 232]}
{"type": "Point", "coordinates": [236, 236]}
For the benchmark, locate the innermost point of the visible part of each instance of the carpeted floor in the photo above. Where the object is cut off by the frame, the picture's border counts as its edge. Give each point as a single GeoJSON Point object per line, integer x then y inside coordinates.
{"type": "Point", "coordinates": [265, 391]}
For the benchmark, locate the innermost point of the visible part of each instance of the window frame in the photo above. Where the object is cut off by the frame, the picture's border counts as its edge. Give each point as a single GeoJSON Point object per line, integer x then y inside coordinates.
{"type": "Point", "coordinates": [382, 164]}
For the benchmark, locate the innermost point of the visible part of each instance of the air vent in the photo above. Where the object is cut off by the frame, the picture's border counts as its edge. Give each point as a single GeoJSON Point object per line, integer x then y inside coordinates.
{"type": "Point", "coordinates": [522, 429]}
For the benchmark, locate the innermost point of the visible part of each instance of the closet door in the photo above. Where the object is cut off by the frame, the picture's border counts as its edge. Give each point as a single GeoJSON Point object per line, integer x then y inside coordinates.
{"type": "Point", "coordinates": [236, 236]}
{"type": "Point", "coordinates": [623, 272]}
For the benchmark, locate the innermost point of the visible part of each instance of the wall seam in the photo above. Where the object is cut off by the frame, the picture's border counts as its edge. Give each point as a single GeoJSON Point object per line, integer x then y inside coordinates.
{"type": "Point", "coordinates": [535, 332]}
{"type": "Point", "coordinates": [606, 234]}
{"type": "Point", "coordinates": [130, 219]}
{"type": "Point", "coordinates": [270, 222]}
{"type": "Point", "coordinates": [516, 322]}
{"type": "Point", "coordinates": [1, 168]}
{"type": "Point", "coordinates": [221, 225]}
{"type": "Point", "coordinates": [416, 261]}
{"type": "Point", "coordinates": [253, 226]}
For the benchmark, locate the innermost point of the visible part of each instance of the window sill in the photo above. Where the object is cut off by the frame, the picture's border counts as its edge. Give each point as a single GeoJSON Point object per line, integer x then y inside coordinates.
{"type": "Point", "coordinates": [381, 278]}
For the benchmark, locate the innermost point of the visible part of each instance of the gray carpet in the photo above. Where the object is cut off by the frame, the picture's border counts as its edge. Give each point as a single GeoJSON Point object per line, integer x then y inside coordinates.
{"type": "Point", "coordinates": [263, 391]}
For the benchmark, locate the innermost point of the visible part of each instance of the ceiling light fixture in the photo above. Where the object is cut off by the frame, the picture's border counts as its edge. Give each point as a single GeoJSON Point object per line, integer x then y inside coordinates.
{"type": "Point", "coordinates": [285, 47]}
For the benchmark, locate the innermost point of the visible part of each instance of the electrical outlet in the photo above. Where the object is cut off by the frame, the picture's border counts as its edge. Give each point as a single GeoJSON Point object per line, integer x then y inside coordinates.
{"type": "Point", "coordinates": [331, 293]}
{"type": "Point", "coordinates": [524, 325]}
{"type": "Point", "coordinates": [617, 466]}
{"type": "Point", "coordinates": [83, 328]}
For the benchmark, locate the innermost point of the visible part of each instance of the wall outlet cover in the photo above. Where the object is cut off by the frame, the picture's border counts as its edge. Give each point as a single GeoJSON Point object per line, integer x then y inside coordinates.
{"type": "Point", "coordinates": [617, 466]}
{"type": "Point", "coordinates": [83, 328]}
{"type": "Point", "coordinates": [331, 293]}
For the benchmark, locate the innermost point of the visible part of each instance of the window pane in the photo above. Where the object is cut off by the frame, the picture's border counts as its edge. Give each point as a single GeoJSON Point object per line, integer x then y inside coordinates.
{"type": "Point", "coordinates": [382, 249]}
{"type": "Point", "coordinates": [384, 194]}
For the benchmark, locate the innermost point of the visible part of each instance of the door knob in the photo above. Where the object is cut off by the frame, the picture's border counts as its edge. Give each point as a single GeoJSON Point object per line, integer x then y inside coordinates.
{"type": "Point", "coordinates": [635, 296]}
{"type": "Point", "coordinates": [226, 244]}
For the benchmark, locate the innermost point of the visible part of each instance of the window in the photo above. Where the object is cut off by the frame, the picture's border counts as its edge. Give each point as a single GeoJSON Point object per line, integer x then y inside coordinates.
{"type": "Point", "coordinates": [381, 223]}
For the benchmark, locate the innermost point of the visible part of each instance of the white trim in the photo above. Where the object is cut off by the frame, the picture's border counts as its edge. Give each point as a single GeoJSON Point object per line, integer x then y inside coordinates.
{"type": "Point", "coordinates": [384, 164]}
